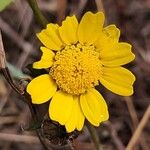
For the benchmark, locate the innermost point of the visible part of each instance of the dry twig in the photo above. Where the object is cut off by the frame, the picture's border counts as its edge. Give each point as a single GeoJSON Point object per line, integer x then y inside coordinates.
{"type": "Point", "coordinates": [19, 138]}
{"type": "Point", "coordinates": [139, 129]}
{"type": "Point", "coordinates": [114, 136]}
{"type": "Point", "coordinates": [135, 120]}
{"type": "Point", "coordinates": [61, 9]}
{"type": "Point", "coordinates": [2, 53]}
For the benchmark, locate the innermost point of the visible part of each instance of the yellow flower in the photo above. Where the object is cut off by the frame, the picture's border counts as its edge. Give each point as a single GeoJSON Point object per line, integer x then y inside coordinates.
{"type": "Point", "coordinates": [80, 56]}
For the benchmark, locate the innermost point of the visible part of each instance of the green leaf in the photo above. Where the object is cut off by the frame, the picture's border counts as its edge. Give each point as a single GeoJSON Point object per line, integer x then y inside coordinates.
{"type": "Point", "coordinates": [4, 4]}
{"type": "Point", "coordinates": [15, 72]}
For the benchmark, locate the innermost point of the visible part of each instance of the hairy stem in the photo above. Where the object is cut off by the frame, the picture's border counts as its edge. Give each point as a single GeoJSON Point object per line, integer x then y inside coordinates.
{"type": "Point", "coordinates": [37, 13]}
{"type": "Point", "coordinates": [94, 136]}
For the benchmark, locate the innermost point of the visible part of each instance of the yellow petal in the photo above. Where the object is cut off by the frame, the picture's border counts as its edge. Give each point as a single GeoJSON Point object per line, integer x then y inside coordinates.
{"type": "Point", "coordinates": [118, 80]}
{"type": "Point", "coordinates": [90, 27]}
{"type": "Point", "coordinates": [112, 32]}
{"type": "Point", "coordinates": [68, 30]}
{"type": "Point", "coordinates": [76, 119]}
{"type": "Point", "coordinates": [46, 59]}
{"type": "Point", "coordinates": [41, 89]}
{"type": "Point", "coordinates": [50, 37]}
{"type": "Point", "coordinates": [118, 54]}
{"type": "Point", "coordinates": [94, 107]}
{"type": "Point", "coordinates": [109, 36]}
{"type": "Point", "coordinates": [60, 107]}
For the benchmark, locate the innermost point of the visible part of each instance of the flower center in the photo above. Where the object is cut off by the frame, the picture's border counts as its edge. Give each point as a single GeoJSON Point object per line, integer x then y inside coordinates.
{"type": "Point", "coordinates": [76, 68]}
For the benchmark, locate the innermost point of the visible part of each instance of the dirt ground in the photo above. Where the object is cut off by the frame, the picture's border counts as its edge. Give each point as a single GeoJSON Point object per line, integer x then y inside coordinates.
{"type": "Point", "coordinates": [18, 26]}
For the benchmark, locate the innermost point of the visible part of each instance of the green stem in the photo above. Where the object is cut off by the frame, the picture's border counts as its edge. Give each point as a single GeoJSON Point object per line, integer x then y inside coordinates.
{"type": "Point", "coordinates": [94, 136]}
{"type": "Point", "coordinates": [37, 12]}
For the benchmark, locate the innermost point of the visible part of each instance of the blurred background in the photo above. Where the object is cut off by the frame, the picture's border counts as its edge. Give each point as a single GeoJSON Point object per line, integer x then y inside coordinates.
{"type": "Point", "coordinates": [18, 26]}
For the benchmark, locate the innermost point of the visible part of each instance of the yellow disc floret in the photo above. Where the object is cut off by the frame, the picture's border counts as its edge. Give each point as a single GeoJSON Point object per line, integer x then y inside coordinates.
{"type": "Point", "coordinates": [76, 68]}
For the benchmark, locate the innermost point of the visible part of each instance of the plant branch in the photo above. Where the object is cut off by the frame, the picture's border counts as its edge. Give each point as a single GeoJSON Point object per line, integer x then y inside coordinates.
{"type": "Point", "coordinates": [37, 13]}
{"type": "Point", "coordinates": [16, 88]}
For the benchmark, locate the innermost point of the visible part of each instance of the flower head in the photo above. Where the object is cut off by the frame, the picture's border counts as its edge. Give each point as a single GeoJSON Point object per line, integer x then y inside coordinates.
{"type": "Point", "coordinates": [80, 56]}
